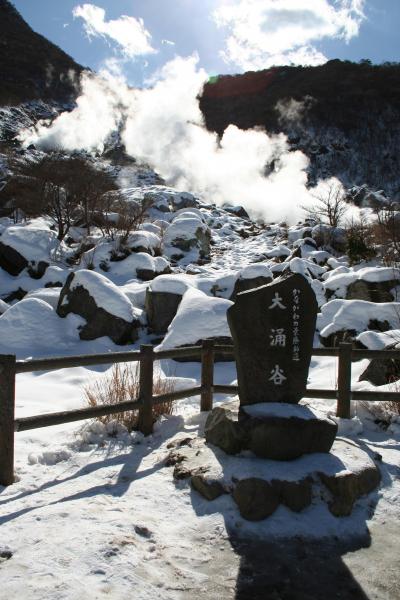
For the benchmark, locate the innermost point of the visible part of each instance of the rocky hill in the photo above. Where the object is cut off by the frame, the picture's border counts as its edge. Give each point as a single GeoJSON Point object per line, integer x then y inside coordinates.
{"type": "Point", "coordinates": [32, 67]}
{"type": "Point", "coordinates": [344, 116]}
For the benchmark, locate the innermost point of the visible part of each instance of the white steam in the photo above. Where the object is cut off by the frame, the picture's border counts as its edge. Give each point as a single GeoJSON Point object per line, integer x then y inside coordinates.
{"type": "Point", "coordinates": [163, 126]}
{"type": "Point", "coordinates": [98, 112]}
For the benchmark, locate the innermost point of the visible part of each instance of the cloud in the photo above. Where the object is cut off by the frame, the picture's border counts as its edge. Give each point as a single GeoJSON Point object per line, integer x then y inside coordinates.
{"type": "Point", "coordinates": [262, 33]}
{"type": "Point", "coordinates": [168, 43]}
{"type": "Point", "coordinates": [129, 33]}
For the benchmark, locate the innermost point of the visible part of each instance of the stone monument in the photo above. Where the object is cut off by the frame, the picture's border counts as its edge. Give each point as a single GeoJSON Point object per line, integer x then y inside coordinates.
{"type": "Point", "coordinates": [273, 330]}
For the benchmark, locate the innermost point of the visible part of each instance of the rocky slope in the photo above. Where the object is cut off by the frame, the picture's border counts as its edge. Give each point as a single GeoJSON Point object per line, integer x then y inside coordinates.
{"type": "Point", "coordinates": [344, 116]}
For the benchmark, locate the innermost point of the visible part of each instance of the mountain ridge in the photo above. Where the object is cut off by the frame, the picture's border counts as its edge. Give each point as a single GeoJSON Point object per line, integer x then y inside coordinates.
{"type": "Point", "coordinates": [32, 67]}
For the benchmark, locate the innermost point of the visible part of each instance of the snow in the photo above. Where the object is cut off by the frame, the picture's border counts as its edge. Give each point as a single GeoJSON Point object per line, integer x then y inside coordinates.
{"type": "Point", "coordinates": [278, 409]}
{"type": "Point", "coordinates": [279, 250]}
{"type": "Point", "coordinates": [93, 515]}
{"type": "Point", "coordinates": [144, 239]}
{"type": "Point", "coordinates": [32, 242]}
{"type": "Point", "coordinates": [95, 510]}
{"type": "Point", "coordinates": [127, 269]}
{"type": "Point", "coordinates": [106, 295]}
{"type": "Point", "coordinates": [136, 292]}
{"type": "Point", "coordinates": [378, 340]}
{"type": "Point", "coordinates": [255, 270]}
{"type": "Point", "coordinates": [198, 317]}
{"type": "Point", "coordinates": [49, 295]}
{"type": "Point", "coordinates": [338, 281]}
{"type": "Point", "coordinates": [304, 267]}
{"type": "Point", "coordinates": [172, 284]}
{"type": "Point", "coordinates": [348, 427]}
{"type": "Point", "coordinates": [339, 315]}
{"type": "Point", "coordinates": [33, 328]}
{"type": "Point", "coordinates": [3, 306]}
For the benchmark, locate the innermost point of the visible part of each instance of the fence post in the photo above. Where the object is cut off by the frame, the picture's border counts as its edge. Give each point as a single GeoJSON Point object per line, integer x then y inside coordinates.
{"type": "Point", "coordinates": [344, 381]}
{"type": "Point", "coordinates": [145, 420]}
{"type": "Point", "coordinates": [7, 417]}
{"type": "Point", "coordinates": [207, 375]}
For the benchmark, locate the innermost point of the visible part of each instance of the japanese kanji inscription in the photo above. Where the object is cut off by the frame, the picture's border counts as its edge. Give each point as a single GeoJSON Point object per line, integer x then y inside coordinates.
{"type": "Point", "coordinates": [273, 329]}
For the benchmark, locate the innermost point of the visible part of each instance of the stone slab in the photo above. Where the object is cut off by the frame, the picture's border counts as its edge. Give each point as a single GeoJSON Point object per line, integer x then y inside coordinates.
{"type": "Point", "coordinates": [273, 330]}
{"type": "Point", "coordinates": [270, 430]}
{"type": "Point", "coordinates": [258, 486]}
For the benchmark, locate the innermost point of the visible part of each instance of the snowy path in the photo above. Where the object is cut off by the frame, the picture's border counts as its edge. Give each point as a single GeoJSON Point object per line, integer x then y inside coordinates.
{"type": "Point", "coordinates": [228, 254]}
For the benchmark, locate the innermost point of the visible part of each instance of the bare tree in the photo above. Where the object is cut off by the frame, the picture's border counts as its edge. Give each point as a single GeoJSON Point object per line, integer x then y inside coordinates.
{"type": "Point", "coordinates": [388, 234]}
{"type": "Point", "coordinates": [329, 208]}
{"type": "Point", "coordinates": [119, 216]}
{"type": "Point", "coordinates": [59, 186]}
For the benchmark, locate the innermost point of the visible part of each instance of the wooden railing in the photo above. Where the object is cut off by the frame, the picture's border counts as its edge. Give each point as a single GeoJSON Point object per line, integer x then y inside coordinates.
{"type": "Point", "coordinates": [10, 367]}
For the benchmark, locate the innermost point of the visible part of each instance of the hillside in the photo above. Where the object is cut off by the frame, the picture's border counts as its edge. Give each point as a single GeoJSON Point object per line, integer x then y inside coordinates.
{"type": "Point", "coordinates": [31, 66]}
{"type": "Point", "coordinates": [344, 116]}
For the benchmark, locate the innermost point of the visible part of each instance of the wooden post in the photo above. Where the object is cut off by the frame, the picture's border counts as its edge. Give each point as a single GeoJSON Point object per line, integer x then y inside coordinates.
{"type": "Point", "coordinates": [344, 381]}
{"type": "Point", "coordinates": [207, 375]}
{"type": "Point", "coordinates": [145, 422]}
{"type": "Point", "coordinates": [7, 416]}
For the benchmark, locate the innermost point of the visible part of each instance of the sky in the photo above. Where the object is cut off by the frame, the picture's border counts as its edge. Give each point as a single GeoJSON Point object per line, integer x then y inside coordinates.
{"type": "Point", "coordinates": [137, 38]}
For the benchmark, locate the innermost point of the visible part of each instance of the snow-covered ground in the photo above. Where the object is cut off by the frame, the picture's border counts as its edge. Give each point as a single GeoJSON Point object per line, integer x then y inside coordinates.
{"type": "Point", "coordinates": [93, 515]}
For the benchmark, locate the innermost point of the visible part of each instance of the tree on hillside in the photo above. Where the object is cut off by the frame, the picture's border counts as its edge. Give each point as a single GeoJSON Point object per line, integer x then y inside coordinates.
{"type": "Point", "coordinates": [329, 208]}
{"type": "Point", "coordinates": [60, 186]}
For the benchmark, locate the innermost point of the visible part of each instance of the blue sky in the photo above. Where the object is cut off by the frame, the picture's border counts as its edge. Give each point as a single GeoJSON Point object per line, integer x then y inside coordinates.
{"type": "Point", "coordinates": [230, 36]}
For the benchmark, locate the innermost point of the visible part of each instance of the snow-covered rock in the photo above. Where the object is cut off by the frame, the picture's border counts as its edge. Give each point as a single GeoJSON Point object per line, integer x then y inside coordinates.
{"type": "Point", "coordinates": [198, 317]}
{"type": "Point", "coordinates": [140, 265]}
{"type": "Point", "coordinates": [351, 317]}
{"type": "Point", "coordinates": [32, 328]}
{"type": "Point", "coordinates": [49, 295]}
{"type": "Point", "coordinates": [144, 241]}
{"type": "Point", "coordinates": [369, 283]}
{"type": "Point", "coordinates": [187, 233]}
{"type": "Point", "coordinates": [251, 277]}
{"type": "Point", "coordinates": [106, 309]}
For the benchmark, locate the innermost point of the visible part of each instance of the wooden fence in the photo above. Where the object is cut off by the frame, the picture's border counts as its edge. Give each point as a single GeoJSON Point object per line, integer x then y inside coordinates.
{"type": "Point", "coordinates": [10, 367]}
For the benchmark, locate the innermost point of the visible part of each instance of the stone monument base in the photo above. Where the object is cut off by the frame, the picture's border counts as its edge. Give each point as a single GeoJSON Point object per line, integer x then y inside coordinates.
{"type": "Point", "coordinates": [270, 430]}
{"type": "Point", "coordinates": [259, 486]}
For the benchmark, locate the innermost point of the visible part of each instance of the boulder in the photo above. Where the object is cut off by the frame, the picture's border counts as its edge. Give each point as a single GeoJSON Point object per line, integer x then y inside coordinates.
{"type": "Point", "coordinates": [347, 487]}
{"type": "Point", "coordinates": [251, 277]}
{"type": "Point", "coordinates": [198, 317]}
{"type": "Point", "coordinates": [182, 200]}
{"type": "Point", "coordinates": [223, 430]}
{"type": "Point", "coordinates": [106, 309]}
{"type": "Point", "coordinates": [161, 308]}
{"type": "Point", "coordinates": [144, 241]}
{"type": "Point", "coordinates": [187, 232]}
{"type": "Point", "coordinates": [256, 498]}
{"type": "Point", "coordinates": [334, 237]}
{"type": "Point", "coordinates": [11, 261]}
{"type": "Point", "coordinates": [259, 486]}
{"type": "Point", "coordinates": [276, 431]}
{"type": "Point", "coordinates": [210, 490]}
{"type": "Point", "coordinates": [238, 211]}
{"type": "Point", "coordinates": [371, 291]}
{"type": "Point", "coordinates": [381, 371]}
{"type": "Point", "coordinates": [140, 265]}
{"type": "Point", "coordinates": [27, 246]}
